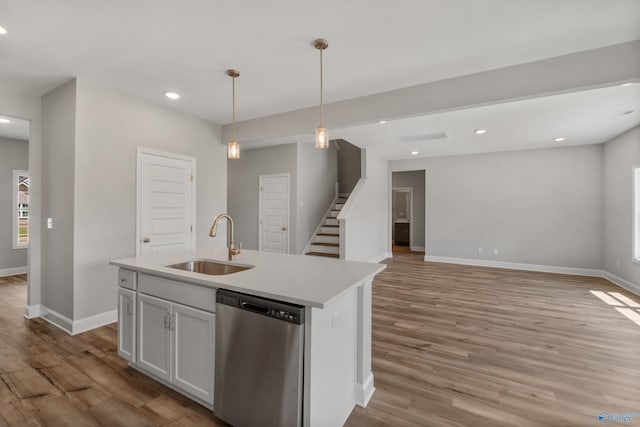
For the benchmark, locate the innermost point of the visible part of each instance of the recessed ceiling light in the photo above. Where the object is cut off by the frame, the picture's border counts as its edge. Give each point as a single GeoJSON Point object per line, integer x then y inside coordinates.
{"type": "Point", "coordinates": [559, 139]}
{"type": "Point", "coordinates": [382, 122]}
{"type": "Point", "coordinates": [480, 131]}
{"type": "Point", "coordinates": [415, 153]}
{"type": "Point", "coordinates": [3, 30]}
{"type": "Point", "coordinates": [172, 95]}
{"type": "Point", "coordinates": [627, 84]}
{"type": "Point", "coordinates": [4, 121]}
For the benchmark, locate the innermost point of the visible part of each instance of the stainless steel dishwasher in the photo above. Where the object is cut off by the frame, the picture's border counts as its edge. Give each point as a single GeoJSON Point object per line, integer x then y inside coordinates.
{"type": "Point", "coordinates": [259, 361]}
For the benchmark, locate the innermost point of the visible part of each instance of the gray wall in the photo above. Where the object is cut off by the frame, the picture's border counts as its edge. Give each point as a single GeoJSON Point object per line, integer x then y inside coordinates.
{"type": "Point", "coordinates": [415, 180]}
{"type": "Point", "coordinates": [58, 125]}
{"type": "Point", "coordinates": [620, 154]}
{"type": "Point", "coordinates": [538, 207]}
{"type": "Point", "coordinates": [317, 177]}
{"type": "Point", "coordinates": [110, 127]}
{"type": "Point", "coordinates": [349, 165]}
{"type": "Point", "coordinates": [14, 154]}
{"type": "Point", "coordinates": [242, 189]}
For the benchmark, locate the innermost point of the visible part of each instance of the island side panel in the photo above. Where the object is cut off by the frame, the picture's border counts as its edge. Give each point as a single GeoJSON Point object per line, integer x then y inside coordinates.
{"type": "Point", "coordinates": [364, 376]}
{"type": "Point", "coordinates": [330, 362]}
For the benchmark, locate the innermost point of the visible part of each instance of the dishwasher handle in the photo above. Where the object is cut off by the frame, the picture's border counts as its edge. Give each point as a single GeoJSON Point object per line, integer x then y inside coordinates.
{"type": "Point", "coordinates": [256, 308]}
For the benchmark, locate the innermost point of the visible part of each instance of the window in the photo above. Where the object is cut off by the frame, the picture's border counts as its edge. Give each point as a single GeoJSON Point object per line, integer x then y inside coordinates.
{"type": "Point", "coordinates": [636, 213]}
{"type": "Point", "coordinates": [20, 209]}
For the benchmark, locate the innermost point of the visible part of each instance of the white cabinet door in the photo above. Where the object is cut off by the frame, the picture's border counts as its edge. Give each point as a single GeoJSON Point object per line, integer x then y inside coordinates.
{"type": "Point", "coordinates": [126, 324]}
{"type": "Point", "coordinates": [154, 336]}
{"type": "Point", "coordinates": [193, 351]}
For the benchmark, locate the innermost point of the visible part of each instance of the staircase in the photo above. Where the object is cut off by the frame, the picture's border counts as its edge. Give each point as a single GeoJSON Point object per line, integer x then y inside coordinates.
{"type": "Point", "coordinates": [326, 241]}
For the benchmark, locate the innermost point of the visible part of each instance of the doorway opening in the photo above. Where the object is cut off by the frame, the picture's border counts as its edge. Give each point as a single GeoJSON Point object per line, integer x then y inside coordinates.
{"type": "Point", "coordinates": [14, 211]}
{"type": "Point", "coordinates": [408, 211]}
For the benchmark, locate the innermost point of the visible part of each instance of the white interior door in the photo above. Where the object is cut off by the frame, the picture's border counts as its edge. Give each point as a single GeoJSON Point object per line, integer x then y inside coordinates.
{"type": "Point", "coordinates": [166, 202]}
{"type": "Point", "coordinates": [273, 209]}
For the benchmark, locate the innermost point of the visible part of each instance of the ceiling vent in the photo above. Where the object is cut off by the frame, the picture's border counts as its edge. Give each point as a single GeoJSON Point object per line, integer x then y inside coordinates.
{"type": "Point", "coordinates": [424, 137]}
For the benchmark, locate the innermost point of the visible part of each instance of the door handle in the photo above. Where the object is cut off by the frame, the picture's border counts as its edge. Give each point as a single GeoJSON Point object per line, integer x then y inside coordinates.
{"type": "Point", "coordinates": [146, 240]}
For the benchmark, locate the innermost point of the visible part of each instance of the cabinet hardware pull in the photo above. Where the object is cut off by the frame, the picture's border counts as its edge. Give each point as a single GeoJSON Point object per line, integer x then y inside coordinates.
{"type": "Point", "coordinates": [130, 307]}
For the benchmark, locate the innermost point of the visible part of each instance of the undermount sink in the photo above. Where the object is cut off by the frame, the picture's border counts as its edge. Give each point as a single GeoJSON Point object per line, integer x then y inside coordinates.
{"type": "Point", "coordinates": [210, 267]}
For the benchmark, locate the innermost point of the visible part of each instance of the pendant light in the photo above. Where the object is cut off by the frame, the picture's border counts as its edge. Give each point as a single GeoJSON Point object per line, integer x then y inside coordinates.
{"type": "Point", "coordinates": [322, 135]}
{"type": "Point", "coordinates": [233, 148]}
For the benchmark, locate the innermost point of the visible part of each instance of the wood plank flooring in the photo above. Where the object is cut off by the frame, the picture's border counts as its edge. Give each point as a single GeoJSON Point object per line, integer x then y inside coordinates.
{"type": "Point", "coordinates": [48, 378]}
{"type": "Point", "coordinates": [467, 346]}
{"type": "Point", "coordinates": [452, 346]}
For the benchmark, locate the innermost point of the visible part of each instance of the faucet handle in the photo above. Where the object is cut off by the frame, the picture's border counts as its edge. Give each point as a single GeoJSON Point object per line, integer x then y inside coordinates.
{"type": "Point", "coordinates": [235, 251]}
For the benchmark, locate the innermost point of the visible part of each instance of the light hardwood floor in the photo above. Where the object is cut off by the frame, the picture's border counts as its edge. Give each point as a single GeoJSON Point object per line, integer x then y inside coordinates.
{"type": "Point", "coordinates": [452, 346]}
{"type": "Point", "coordinates": [467, 346]}
{"type": "Point", "coordinates": [48, 378]}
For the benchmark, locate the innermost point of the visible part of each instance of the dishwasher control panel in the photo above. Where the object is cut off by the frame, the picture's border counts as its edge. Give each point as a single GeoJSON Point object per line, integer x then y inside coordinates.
{"type": "Point", "coordinates": [282, 314]}
{"type": "Point", "coordinates": [287, 312]}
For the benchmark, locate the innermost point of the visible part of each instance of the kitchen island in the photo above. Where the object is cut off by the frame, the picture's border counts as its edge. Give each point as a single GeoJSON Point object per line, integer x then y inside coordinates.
{"type": "Point", "coordinates": [167, 322]}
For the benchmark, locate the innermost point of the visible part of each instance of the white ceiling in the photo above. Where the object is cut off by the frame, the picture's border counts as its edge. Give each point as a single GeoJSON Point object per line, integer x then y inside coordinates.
{"type": "Point", "coordinates": [587, 117]}
{"type": "Point", "coordinates": [16, 129]}
{"type": "Point", "coordinates": [146, 47]}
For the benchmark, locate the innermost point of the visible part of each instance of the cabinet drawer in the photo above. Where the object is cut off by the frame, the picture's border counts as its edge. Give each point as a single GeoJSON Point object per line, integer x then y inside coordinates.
{"type": "Point", "coordinates": [183, 293]}
{"type": "Point", "coordinates": [127, 279]}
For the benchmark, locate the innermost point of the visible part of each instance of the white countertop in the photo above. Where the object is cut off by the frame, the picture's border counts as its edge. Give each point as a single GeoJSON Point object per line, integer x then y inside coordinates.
{"type": "Point", "coordinates": [298, 279]}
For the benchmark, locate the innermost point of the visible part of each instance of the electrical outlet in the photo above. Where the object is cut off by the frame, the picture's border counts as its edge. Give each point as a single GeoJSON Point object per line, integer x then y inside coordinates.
{"type": "Point", "coordinates": [480, 251]}
{"type": "Point", "coordinates": [495, 251]}
{"type": "Point", "coordinates": [50, 223]}
{"type": "Point", "coordinates": [618, 263]}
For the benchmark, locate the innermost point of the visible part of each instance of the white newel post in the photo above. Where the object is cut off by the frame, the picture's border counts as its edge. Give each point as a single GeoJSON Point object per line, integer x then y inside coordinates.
{"type": "Point", "coordinates": [364, 376]}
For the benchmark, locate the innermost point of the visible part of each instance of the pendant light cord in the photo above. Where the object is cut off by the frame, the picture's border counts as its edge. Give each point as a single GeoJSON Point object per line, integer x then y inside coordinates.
{"type": "Point", "coordinates": [321, 90]}
{"type": "Point", "coordinates": [233, 97]}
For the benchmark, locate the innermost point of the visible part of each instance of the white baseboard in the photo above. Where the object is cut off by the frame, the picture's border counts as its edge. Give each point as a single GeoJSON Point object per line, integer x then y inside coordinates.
{"type": "Point", "coordinates": [56, 319]}
{"type": "Point", "coordinates": [417, 248]}
{"type": "Point", "coordinates": [364, 392]}
{"type": "Point", "coordinates": [516, 266]}
{"type": "Point", "coordinates": [4, 272]}
{"type": "Point", "coordinates": [381, 257]}
{"type": "Point", "coordinates": [631, 287]}
{"type": "Point", "coordinates": [32, 311]}
{"type": "Point", "coordinates": [72, 327]}
{"type": "Point", "coordinates": [95, 321]}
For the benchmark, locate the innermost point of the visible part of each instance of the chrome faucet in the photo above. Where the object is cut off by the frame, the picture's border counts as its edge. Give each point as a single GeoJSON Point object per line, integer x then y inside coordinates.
{"type": "Point", "coordinates": [214, 228]}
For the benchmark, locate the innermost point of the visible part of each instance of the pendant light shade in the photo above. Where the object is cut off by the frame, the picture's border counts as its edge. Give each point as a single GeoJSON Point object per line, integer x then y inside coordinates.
{"type": "Point", "coordinates": [233, 148]}
{"type": "Point", "coordinates": [322, 134]}
{"type": "Point", "coordinates": [322, 138]}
